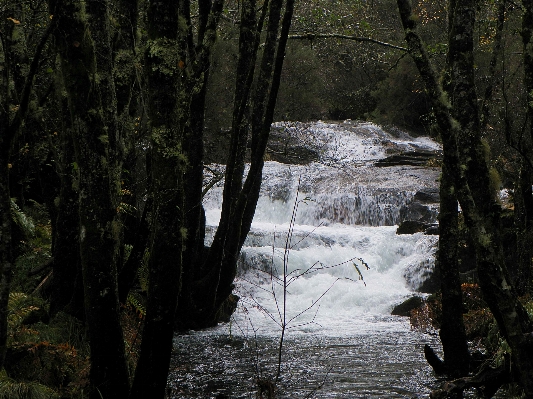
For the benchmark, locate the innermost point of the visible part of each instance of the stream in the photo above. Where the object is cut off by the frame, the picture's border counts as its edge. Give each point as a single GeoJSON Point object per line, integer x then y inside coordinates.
{"type": "Point", "coordinates": [345, 269]}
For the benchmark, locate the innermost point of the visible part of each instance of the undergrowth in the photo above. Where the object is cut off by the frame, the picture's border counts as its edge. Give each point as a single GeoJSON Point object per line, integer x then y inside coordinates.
{"type": "Point", "coordinates": [50, 357]}
{"type": "Point", "coordinates": [482, 331]}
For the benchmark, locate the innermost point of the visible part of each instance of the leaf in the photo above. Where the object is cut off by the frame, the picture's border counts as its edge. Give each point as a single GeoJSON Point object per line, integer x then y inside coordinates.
{"type": "Point", "coordinates": [15, 21]}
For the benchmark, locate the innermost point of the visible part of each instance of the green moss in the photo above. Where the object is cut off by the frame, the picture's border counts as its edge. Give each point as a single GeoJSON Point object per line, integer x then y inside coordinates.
{"type": "Point", "coordinates": [163, 53]}
{"type": "Point", "coordinates": [495, 181]}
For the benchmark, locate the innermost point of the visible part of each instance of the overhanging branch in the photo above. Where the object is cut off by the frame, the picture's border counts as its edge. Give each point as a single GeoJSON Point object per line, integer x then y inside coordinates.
{"type": "Point", "coordinates": [312, 36]}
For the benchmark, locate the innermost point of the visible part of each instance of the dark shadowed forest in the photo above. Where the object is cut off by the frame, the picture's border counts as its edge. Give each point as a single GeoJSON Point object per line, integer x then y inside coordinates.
{"type": "Point", "coordinates": [111, 113]}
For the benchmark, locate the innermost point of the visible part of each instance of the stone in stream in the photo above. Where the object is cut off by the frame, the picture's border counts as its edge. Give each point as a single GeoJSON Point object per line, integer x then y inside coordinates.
{"type": "Point", "coordinates": [404, 308]}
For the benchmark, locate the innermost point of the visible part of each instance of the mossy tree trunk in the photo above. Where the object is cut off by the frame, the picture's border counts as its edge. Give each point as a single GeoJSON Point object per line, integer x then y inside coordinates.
{"type": "Point", "coordinates": [66, 267]}
{"type": "Point", "coordinates": [95, 146]}
{"type": "Point", "coordinates": [452, 330]}
{"type": "Point", "coordinates": [164, 68]}
{"type": "Point", "coordinates": [525, 208]}
{"type": "Point", "coordinates": [459, 128]}
{"type": "Point", "coordinates": [13, 111]}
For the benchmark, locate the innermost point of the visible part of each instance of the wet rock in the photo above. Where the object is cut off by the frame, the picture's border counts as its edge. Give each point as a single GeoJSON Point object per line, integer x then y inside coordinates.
{"type": "Point", "coordinates": [412, 227]}
{"type": "Point", "coordinates": [426, 213]}
{"type": "Point", "coordinates": [227, 308]}
{"type": "Point", "coordinates": [404, 308]}
{"type": "Point", "coordinates": [422, 277]}
{"type": "Point", "coordinates": [429, 195]}
{"type": "Point", "coordinates": [285, 148]}
{"type": "Point", "coordinates": [411, 158]}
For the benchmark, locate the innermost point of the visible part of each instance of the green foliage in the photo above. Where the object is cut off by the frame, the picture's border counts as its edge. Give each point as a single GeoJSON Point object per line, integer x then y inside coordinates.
{"type": "Point", "coordinates": [11, 389]}
{"type": "Point", "coordinates": [24, 264]}
{"type": "Point", "coordinates": [300, 69]}
{"type": "Point", "coordinates": [137, 302]}
{"type": "Point", "coordinates": [401, 99]}
{"type": "Point", "coordinates": [52, 357]}
{"type": "Point", "coordinates": [20, 306]}
{"type": "Point", "coordinates": [24, 222]}
{"type": "Point", "coordinates": [143, 272]}
{"type": "Point", "coordinates": [163, 53]}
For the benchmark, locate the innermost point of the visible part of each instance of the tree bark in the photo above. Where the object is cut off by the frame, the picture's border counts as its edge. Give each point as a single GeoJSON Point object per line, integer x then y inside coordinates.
{"type": "Point", "coordinates": [66, 248]}
{"type": "Point", "coordinates": [452, 331]}
{"type": "Point", "coordinates": [94, 143]}
{"type": "Point", "coordinates": [472, 180]}
{"type": "Point", "coordinates": [164, 67]}
{"type": "Point", "coordinates": [10, 124]}
{"type": "Point", "coordinates": [240, 199]}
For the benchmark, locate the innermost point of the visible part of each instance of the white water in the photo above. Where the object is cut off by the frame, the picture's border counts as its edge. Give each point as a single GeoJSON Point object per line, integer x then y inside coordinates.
{"type": "Point", "coordinates": [340, 333]}
{"type": "Point", "coordinates": [347, 214]}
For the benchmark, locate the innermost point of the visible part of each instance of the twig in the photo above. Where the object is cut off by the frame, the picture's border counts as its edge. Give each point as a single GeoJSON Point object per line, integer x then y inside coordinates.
{"type": "Point", "coordinates": [312, 36]}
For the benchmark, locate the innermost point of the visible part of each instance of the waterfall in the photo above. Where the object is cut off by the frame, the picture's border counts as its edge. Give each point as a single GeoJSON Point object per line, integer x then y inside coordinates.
{"type": "Point", "coordinates": [353, 184]}
{"type": "Point", "coordinates": [346, 219]}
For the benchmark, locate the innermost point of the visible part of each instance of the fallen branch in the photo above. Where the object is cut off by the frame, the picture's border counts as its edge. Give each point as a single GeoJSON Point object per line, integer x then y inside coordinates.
{"type": "Point", "coordinates": [487, 381]}
{"type": "Point", "coordinates": [312, 36]}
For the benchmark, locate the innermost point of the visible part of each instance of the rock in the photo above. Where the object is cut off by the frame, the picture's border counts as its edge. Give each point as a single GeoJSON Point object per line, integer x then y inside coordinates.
{"type": "Point", "coordinates": [404, 308]}
{"type": "Point", "coordinates": [432, 230]}
{"type": "Point", "coordinates": [411, 158]}
{"type": "Point", "coordinates": [412, 227]}
{"type": "Point", "coordinates": [415, 210]}
{"type": "Point", "coordinates": [428, 196]}
{"type": "Point", "coordinates": [227, 308]}
{"type": "Point", "coordinates": [288, 149]}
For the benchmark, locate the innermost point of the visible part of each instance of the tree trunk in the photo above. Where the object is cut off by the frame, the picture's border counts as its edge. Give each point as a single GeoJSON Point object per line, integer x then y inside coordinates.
{"type": "Point", "coordinates": [168, 230]}
{"type": "Point", "coordinates": [10, 123]}
{"type": "Point", "coordinates": [66, 249]}
{"type": "Point", "coordinates": [94, 143]}
{"type": "Point", "coordinates": [472, 180]}
{"type": "Point", "coordinates": [452, 330]}
{"type": "Point", "coordinates": [240, 200]}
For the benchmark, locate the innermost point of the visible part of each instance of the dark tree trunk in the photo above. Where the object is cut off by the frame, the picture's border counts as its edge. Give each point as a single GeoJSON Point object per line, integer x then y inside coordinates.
{"type": "Point", "coordinates": [472, 180]}
{"type": "Point", "coordinates": [10, 124]}
{"type": "Point", "coordinates": [452, 330]}
{"type": "Point", "coordinates": [239, 200]}
{"type": "Point", "coordinates": [168, 230]}
{"type": "Point", "coordinates": [66, 249]}
{"type": "Point", "coordinates": [94, 142]}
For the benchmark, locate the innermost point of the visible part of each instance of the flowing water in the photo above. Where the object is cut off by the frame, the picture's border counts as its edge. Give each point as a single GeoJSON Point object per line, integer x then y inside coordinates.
{"type": "Point", "coordinates": [345, 269]}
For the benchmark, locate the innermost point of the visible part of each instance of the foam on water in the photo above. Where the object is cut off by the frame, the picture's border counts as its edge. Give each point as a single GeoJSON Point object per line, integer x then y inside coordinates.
{"type": "Point", "coordinates": [346, 219]}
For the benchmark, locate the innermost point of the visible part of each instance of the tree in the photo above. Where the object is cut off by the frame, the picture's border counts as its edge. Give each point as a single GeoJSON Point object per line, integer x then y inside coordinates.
{"type": "Point", "coordinates": [210, 272]}
{"type": "Point", "coordinates": [460, 131]}
{"type": "Point", "coordinates": [13, 111]}
{"type": "Point", "coordinates": [88, 83]}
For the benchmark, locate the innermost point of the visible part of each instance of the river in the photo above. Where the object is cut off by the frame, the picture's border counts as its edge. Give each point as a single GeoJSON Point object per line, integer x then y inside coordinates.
{"type": "Point", "coordinates": [345, 269]}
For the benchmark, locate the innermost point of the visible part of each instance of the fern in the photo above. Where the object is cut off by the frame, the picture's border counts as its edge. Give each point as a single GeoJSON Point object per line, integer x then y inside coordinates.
{"type": "Point", "coordinates": [143, 272]}
{"type": "Point", "coordinates": [137, 303]}
{"type": "Point", "coordinates": [11, 389]}
{"type": "Point", "coordinates": [20, 219]}
{"type": "Point", "coordinates": [18, 309]}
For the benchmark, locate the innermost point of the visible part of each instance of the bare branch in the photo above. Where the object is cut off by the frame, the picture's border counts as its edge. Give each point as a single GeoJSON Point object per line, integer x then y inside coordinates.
{"type": "Point", "coordinates": [312, 36]}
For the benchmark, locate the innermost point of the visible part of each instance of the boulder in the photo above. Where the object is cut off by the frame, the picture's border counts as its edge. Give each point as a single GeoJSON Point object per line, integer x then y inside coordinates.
{"type": "Point", "coordinates": [404, 308]}
{"type": "Point", "coordinates": [412, 227]}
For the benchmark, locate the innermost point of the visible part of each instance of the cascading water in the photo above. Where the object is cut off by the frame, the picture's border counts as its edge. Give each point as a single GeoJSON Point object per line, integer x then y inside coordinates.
{"type": "Point", "coordinates": [340, 336]}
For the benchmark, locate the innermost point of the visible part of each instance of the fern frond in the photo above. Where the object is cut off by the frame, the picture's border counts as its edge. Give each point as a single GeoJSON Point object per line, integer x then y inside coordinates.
{"type": "Point", "coordinates": [137, 303]}
{"type": "Point", "coordinates": [143, 272]}
{"type": "Point", "coordinates": [11, 389]}
{"type": "Point", "coordinates": [22, 220]}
